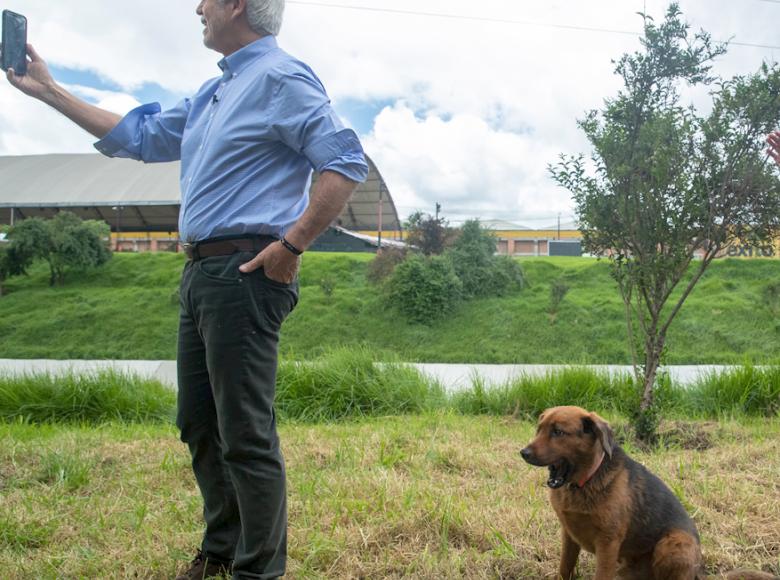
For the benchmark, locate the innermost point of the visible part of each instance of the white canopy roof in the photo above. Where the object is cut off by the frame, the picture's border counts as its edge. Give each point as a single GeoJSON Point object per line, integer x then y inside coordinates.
{"type": "Point", "coordinates": [134, 196]}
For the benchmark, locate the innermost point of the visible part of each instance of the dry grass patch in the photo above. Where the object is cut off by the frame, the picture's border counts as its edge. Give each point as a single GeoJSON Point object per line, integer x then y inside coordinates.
{"type": "Point", "coordinates": [431, 497]}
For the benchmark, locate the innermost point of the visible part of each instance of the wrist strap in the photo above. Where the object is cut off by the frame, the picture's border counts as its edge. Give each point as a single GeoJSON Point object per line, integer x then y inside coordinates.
{"type": "Point", "coordinates": [290, 247]}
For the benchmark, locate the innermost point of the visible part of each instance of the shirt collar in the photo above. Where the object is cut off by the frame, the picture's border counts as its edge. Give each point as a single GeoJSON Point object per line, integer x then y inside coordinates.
{"type": "Point", "coordinates": [236, 62]}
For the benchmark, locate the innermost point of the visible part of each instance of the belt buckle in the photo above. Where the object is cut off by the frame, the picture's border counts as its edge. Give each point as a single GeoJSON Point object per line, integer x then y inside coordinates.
{"type": "Point", "coordinates": [191, 249]}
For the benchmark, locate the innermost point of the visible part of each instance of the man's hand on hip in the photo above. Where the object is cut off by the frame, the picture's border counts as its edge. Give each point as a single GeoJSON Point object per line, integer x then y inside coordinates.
{"type": "Point", "coordinates": [278, 263]}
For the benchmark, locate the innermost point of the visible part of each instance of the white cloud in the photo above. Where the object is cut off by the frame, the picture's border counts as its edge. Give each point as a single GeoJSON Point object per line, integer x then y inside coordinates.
{"type": "Point", "coordinates": [472, 169]}
{"type": "Point", "coordinates": [495, 102]}
{"type": "Point", "coordinates": [119, 103]}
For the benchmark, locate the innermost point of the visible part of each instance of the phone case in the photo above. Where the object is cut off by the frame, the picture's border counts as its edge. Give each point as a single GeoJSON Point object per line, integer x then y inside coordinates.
{"type": "Point", "coordinates": [14, 42]}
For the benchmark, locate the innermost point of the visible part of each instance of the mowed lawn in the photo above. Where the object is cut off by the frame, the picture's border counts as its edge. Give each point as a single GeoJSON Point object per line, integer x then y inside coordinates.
{"type": "Point", "coordinates": [432, 496]}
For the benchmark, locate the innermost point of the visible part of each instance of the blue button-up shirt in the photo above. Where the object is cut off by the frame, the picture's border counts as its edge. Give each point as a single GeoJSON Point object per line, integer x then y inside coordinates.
{"type": "Point", "coordinates": [247, 141]}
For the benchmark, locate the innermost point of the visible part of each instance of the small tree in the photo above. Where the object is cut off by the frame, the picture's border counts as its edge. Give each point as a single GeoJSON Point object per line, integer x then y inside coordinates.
{"type": "Point", "coordinates": [430, 235]}
{"type": "Point", "coordinates": [670, 184]}
{"type": "Point", "coordinates": [64, 242]}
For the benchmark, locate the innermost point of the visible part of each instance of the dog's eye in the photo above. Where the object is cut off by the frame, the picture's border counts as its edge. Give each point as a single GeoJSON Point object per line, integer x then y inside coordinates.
{"type": "Point", "coordinates": [557, 432]}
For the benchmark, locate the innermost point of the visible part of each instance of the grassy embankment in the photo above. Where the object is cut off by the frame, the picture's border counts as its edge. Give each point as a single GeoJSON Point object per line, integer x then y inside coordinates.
{"type": "Point", "coordinates": [128, 310]}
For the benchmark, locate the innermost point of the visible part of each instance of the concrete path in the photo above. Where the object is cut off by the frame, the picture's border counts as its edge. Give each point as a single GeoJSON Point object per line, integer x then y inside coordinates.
{"type": "Point", "coordinates": [454, 377]}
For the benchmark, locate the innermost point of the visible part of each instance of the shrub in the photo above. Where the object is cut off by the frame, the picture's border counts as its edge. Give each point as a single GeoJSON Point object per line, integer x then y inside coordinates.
{"type": "Point", "coordinates": [384, 263]}
{"type": "Point", "coordinates": [430, 235]}
{"type": "Point", "coordinates": [425, 289]}
{"type": "Point", "coordinates": [479, 269]}
{"type": "Point", "coordinates": [558, 290]}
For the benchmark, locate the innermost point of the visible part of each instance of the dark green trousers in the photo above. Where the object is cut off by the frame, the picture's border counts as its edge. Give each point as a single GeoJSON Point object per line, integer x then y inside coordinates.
{"type": "Point", "coordinates": [227, 359]}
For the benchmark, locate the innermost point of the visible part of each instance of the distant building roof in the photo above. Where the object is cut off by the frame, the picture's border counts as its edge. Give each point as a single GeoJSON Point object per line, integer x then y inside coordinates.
{"type": "Point", "coordinates": [568, 225]}
{"type": "Point", "coordinates": [373, 240]}
{"type": "Point", "coordinates": [501, 225]}
{"type": "Point", "coordinates": [135, 196]}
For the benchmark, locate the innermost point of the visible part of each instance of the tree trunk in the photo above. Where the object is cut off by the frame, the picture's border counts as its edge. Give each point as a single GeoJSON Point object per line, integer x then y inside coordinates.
{"type": "Point", "coordinates": [647, 417]}
{"type": "Point", "coordinates": [651, 369]}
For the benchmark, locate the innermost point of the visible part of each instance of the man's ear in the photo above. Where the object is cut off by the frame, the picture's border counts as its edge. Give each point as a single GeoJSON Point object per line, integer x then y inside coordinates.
{"type": "Point", "coordinates": [594, 424]}
{"type": "Point", "coordinates": [239, 7]}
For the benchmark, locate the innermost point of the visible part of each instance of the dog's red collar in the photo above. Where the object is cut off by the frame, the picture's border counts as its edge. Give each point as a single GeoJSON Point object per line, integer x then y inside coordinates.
{"type": "Point", "coordinates": [592, 472]}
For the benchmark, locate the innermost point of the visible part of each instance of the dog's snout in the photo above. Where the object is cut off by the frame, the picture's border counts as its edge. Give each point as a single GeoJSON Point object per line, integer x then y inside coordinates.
{"type": "Point", "coordinates": [526, 454]}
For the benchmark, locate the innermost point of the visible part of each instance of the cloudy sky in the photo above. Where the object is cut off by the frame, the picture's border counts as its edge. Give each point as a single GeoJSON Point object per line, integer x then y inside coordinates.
{"type": "Point", "coordinates": [461, 103]}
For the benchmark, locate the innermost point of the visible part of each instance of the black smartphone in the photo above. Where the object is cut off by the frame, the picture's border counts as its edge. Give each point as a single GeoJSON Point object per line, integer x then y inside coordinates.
{"type": "Point", "coordinates": [14, 42]}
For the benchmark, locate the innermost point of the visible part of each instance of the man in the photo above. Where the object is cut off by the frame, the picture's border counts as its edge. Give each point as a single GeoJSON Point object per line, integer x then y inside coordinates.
{"type": "Point", "coordinates": [247, 142]}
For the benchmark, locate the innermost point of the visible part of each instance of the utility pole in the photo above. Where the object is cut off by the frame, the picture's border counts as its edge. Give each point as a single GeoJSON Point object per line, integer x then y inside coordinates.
{"type": "Point", "coordinates": [559, 225]}
{"type": "Point", "coordinates": [438, 209]}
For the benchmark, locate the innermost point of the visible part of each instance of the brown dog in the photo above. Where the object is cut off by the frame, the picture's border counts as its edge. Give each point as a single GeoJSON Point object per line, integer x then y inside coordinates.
{"type": "Point", "coordinates": [612, 506]}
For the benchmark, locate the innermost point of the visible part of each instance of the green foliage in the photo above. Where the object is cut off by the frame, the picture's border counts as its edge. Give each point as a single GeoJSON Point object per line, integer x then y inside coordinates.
{"type": "Point", "coordinates": [429, 235]}
{"type": "Point", "coordinates": [744, 390]}
{"type": "Point", "coordinates": [424, 289]}
{"type": "Point", "coordinates": [558, 291]}
{"type": "Point", "coordinates": [96, 398]}
{"type": "Point", "coordinates": [349, 383]}
{"type": "Point", "coordinates": [383, 264]}
{"type": "Point", "coordinates": [15, 258]}
{"type": "Point", "coordinates": [65, 242]}
{"type": "Point", "coordinates": [771, 296]}
{"type": "Point", "coordinates": [481, 272]}
{"type": "Point", "coordinates": [528, 395]}
{"type": "Point", "coordinates": [128, 309]}
{"type": "Point", "coordinates": [668, 182]}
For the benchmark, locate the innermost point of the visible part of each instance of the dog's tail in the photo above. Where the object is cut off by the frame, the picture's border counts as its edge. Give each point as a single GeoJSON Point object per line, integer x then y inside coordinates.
{"type": "Point", "coordinates": [747, 575]}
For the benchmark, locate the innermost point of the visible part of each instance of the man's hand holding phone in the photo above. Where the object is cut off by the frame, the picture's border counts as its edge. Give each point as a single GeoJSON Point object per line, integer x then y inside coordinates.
{"type": "Point", "coordinates": [37, 82]}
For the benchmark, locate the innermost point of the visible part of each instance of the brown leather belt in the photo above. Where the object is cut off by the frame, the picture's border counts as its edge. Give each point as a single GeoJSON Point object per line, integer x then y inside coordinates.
{"type": "Point", "coordinates": [226, 246]}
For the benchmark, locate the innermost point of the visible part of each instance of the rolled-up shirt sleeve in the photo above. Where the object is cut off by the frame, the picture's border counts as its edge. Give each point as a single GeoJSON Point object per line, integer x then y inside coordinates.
{"type": "Point", "coordinates": [305, 121]}
{"type": "Point", "coordinates": [147, 134]}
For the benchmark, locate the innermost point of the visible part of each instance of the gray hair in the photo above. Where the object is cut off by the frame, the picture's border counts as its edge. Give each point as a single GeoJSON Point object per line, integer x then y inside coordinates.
{"type": "Point", "coordinates": [265, 16]}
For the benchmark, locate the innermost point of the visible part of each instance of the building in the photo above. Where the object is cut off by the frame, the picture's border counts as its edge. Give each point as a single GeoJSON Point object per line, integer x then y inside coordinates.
{"type": "Point", "coordinates": [140, 202]}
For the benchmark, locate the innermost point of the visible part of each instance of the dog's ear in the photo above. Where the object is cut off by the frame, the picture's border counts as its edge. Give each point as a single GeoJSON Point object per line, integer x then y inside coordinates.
{"type": "Point", "coordinates": [594, 424]}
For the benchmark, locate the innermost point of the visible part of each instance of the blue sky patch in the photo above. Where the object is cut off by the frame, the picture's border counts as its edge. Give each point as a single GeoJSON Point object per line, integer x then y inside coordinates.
{"type": "Point", "coordinates": [147, 93]}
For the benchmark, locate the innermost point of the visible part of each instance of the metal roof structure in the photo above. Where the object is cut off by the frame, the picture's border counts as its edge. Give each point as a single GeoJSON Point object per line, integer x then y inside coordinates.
{"type": "Point", "coordinates": [133, 196]}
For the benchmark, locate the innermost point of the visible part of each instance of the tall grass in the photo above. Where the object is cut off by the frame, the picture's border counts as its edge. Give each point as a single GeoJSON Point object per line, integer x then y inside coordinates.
{"type": "Point", "coordinates": [91, 398]}
{"type": "Point", "coordinates": [745, 390]}
{"type": "Point", "coordinates": [349, 383]}
{"type": "Point", "coordinates": [529, 395]}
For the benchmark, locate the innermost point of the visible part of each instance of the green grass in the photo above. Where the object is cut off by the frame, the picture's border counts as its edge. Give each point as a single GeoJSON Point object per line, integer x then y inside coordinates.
{"type": "Point", "coordinates": [434, 496]}
{"type": "Point", "coordinates": [95, 398]}
{"type": "Point", "coordinates": [129, 310]}
{"type": "Point", "coordinates": [348, 384]}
